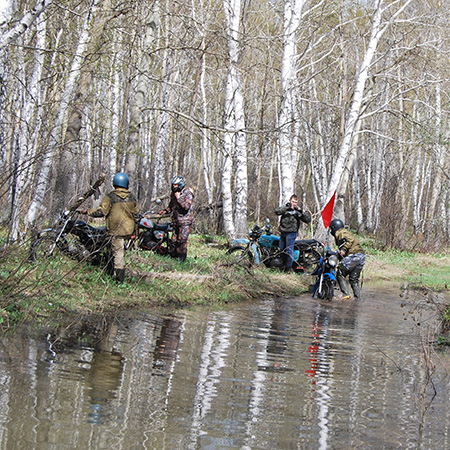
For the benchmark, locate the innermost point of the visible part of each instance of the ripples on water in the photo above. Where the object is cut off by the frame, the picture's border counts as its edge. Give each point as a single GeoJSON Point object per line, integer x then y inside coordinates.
{"type": "Point", "coordinates": [275, 374]}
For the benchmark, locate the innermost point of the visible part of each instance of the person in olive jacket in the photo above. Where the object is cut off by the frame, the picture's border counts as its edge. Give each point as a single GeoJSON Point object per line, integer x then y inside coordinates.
{"type": "Point", "coordinates": [291, 216]}
{"type": "Point", "coordinates": [121, 211]}
{"type": "Point", "coordinates": [353, 261]}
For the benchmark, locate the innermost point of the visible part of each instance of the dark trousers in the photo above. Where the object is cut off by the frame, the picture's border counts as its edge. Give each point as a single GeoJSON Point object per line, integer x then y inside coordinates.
{"type": "Point", "coordinates": [287, 248]}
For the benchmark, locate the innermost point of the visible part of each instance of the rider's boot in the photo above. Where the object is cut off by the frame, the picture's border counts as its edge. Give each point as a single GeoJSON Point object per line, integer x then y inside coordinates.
{"type": "Point", "coordinates": [354, 282]}
{"type": "Point", "coordinates": [356, 290]}
{"type": "Point", "coordinates": [120, 275]}
{"type": "Point", "coordinates": [342, 284]}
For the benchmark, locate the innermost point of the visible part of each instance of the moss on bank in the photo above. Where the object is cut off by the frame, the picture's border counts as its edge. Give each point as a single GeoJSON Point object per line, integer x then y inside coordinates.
{"type": "Point", "coordinates": [49, 293]}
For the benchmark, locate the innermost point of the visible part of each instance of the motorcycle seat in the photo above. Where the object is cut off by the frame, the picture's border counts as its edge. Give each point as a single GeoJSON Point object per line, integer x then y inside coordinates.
{"type": "Point", "coordinates": [163, 226]}
{"type": "Point", "coordinates": [307, 242]}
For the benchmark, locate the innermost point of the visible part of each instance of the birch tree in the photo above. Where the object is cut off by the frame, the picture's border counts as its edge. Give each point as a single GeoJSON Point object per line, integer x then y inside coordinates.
{"type": "Point", "coordinates": [30, 122]}
{"type": "Point", "coordinates": [377, 31]}
{"type": "Point", "coordinates": [27, 20]}
{"type": "Point", "coordinates": [235, 222]}
{"type": "Point", "coordinates": [288, 111]}
{"type": "Point", "coordinates": [66, 177]}
{"type": "Point", "coordinates": [57, 129]}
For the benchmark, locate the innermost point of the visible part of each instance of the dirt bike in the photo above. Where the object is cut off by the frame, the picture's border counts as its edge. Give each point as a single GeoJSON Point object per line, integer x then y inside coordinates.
{"type": "Point", "coordinates": [326, 276]}
{"type": "Point", "coordinates": [262, 246]}
{"type": "Point", "coordinates": [74, 238]}
{"type": "Point", "coordinates": [151, 235]}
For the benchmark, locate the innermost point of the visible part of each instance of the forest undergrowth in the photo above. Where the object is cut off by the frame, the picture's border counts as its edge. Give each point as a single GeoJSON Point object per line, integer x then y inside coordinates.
{"type": "Point", "coordinates": [50, 293]}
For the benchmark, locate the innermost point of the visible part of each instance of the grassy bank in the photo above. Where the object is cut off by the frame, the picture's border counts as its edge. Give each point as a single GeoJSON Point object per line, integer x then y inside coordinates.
{"type": "Point", "coordinates": [49, 292]}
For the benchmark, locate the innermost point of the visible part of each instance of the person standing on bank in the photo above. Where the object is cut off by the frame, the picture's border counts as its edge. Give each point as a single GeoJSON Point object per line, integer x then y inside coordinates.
{"type": "Point", "coordinates": [121, 211]}
{"type": "Point", "coordinates": [291, 216]}
{"type": "Point", "coordinates": [181, 207]}
{"type": "Point", "coordinates": [353, 261]}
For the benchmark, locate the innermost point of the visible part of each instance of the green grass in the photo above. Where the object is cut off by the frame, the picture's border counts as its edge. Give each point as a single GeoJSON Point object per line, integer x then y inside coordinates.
{"type": "Point", "coordinates": [49, 292]}
{"type": "Point", "coordinates": [423, 270]}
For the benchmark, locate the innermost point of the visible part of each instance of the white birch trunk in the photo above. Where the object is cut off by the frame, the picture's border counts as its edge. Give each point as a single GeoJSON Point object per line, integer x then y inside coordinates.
{"type": "Point", "coordinates": [355, 109]}
{"type": "Point", "coordinates": [29, 127]}
{"type": "Point", "coordinates": [25, 23]}
{"type": "Point", "coordinates": [227, 198]}
{"type": "Point", "coordinates": [56, 133]}
{"type": "Point", "coordinates": [439, 158]}
{"type": "Point", "coordinates": [162, 146]}
{"type": "Point", "coordinates": [287, 116]}
{"type": "Point", "coordinates": [234, 140]}
{"type": "Point", "coordinates": [207, 166]}
{"type": "Point", "coordinates": [357, 102]}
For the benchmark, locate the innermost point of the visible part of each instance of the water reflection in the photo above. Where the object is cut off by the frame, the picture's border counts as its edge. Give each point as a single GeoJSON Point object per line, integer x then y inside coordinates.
{"type": "Point", "coordinates": [102, 383]}
{"type": "Point", "coordinates": [274, 374]}
{"type": "Point", "coordinates": [166, 346]}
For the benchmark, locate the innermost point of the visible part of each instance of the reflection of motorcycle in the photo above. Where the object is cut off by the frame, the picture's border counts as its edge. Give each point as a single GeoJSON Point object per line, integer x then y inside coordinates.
{"type": "Point", "coordinates": [326, 276]}
{"type": "Point", "coordinates": [264, 247]}
{"type": "Point", "coordinates": [152, 235]}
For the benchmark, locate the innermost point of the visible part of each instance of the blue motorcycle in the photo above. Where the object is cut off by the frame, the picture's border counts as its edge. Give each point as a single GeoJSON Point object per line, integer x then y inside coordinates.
{"type": "Point", "coordinates": [326, 276]}
{"type": "Point", "coordinates": [262, 246]}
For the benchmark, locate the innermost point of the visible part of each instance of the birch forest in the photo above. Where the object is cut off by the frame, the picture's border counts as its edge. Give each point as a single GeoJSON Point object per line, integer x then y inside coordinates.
{"type": "Point", "coordinates": [250, 100]}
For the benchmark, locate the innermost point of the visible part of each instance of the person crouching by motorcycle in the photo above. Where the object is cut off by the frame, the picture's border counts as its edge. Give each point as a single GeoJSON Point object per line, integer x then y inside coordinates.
{"type": "Point", "coordinates": [181, 207]}
{"type": "Point", "coordinates": [120, 208]}
{"type": "Point", "coordinates": [291, 216]}
{"type": "Point", "coordinates": [353, 261]}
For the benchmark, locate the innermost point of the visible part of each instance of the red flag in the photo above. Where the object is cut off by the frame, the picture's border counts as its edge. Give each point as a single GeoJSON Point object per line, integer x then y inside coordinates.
{"type": "Point", "coordinates": [327, 212]}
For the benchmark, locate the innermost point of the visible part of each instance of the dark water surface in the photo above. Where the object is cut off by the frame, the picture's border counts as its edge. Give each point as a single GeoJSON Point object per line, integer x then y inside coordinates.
{"type": "Point", "coordinates": [288, 373]}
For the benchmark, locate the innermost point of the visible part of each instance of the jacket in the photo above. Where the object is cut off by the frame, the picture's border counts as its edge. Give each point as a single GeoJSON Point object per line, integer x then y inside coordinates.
{"type": "Point", "coordinates": [121, 211]}
{"type": "Point", "coordinates": [347, 241]}
{"type": "Point", "coordinates": [291, 218]}
{"type": "Point", "coordinates": [182, 208]}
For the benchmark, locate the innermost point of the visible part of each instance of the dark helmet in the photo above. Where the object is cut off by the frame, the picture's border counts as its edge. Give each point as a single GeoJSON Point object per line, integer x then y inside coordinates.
{"type": "Point", "coordinates": [336, 224]}
{"type": "Point", "coordinates": [178, 183]}
{"type": "Point", "coordinates": [120, 180]}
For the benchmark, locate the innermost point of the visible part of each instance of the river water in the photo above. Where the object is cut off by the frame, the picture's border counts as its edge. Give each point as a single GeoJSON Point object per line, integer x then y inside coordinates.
{"type": "Point", "coordinates": [283, 373]}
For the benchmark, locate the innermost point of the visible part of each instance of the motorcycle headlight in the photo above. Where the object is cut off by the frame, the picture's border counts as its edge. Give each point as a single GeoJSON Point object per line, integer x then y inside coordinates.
{"type": "Point", "coordinates": [333, 260]}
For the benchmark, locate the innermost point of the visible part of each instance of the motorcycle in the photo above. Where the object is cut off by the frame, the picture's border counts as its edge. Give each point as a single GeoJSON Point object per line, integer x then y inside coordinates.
{"type": "Point", "coordinates": [74, 238]}
{"type": "Point", "coordinates": [326, 276]}
{"type": "Point", "coordinates": [152, 235]}
{"type": "Point", "coordinates": [262, 246]}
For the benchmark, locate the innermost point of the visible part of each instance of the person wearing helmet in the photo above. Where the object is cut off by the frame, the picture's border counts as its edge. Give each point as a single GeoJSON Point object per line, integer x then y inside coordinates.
{"type": "Point", "coordinates": [353, 261]}
{"type": "Point", "coordinates": [181, 207]}
{"type": "Point", "coordinates": [291, 216]}
{"type": "Point", "coordinates": [120, 208]}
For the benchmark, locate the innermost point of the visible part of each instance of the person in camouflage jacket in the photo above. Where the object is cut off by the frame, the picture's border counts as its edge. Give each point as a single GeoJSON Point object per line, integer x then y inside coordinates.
{"type": "Point", "coordinates": [353, 261]}
{"type": "Point", "coordinates": [181, 206]}
{"type": "Point", "coordinates": [291, 216]}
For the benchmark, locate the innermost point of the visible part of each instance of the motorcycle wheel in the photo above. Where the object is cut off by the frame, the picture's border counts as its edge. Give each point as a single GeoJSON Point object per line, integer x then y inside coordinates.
{"type": "Point", "coordinates": [46, 246]}
{"type": "Point", "coordinates": [327, 290]}
{"type": "Point", "coordinates": [310, 262]}
{"type": "Point", "coordinates": [241, 256]}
